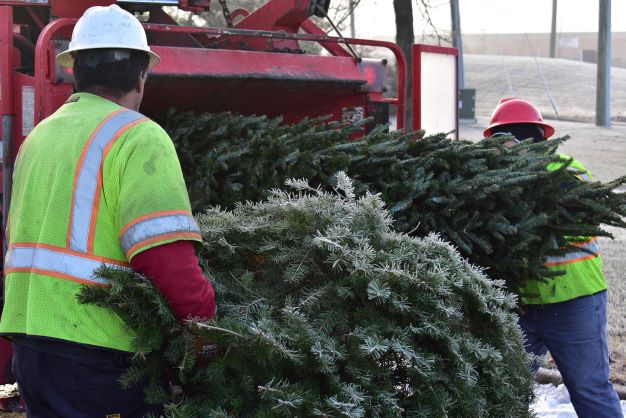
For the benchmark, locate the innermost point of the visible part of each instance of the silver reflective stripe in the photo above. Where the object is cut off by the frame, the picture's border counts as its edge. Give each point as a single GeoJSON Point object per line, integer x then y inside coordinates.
{"type": "Point", "coordinates": [87, 183]}
{"type": "Point", "coordinates": [56, 262]}
{"type": "Point", "coordinates": [592, 247]}
{"type": "Point", "coordinates": [580, 174]}
{"type": "Point", "coordinates": [155, 227]}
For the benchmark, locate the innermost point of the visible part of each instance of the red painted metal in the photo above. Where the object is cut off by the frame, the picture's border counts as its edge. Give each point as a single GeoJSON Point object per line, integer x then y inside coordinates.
{"type": "Point", "coordinates": [50, 95]}
{"type": "Point", "coordinates": [275, 15]}
{"type": "Point", "coordinates": [417, 76]}
{"type": "Point", "coordinates": [194, 5]}
{"type": "Point", "coordinates": [255, 83]}
{"type": "Point", "coordinates": [334, 49]}
{"type": "Point", "coordinates": [29, 3]}
{"type": "Point", "coordinates": [335, 72]}
{"type": "Point", "coordinates": [237, 13]}
{"type": "Point", "coordinates": [75, 9]}
{"type": "Point", "coordinates": [6, 79]}
{"type": "Point", "coordinates": [222, 64]}
{"type": "Point", "coordinates": [6, 61]}
{"type": "Point", "coordinates": [395, 49]}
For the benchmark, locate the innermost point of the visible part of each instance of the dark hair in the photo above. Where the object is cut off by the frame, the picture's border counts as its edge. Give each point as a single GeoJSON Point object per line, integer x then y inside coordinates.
{"type": "Point", "coordinates": [102, 68]}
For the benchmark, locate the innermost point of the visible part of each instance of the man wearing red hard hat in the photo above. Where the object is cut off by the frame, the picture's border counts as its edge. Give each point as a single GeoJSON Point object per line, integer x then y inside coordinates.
{"type": "Point", "coordinates": [519, 118]}
{"type": "Point", "coordinates": [565, 315]}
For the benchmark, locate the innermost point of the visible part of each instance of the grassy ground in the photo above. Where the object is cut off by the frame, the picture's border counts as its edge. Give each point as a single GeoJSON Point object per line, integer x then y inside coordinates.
{"type": "Point", "coordinates": [572, 85]}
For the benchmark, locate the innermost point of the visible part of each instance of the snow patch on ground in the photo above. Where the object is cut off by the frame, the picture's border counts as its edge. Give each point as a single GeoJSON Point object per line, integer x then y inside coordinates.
{"type": "Point", "coordinates": [8, 391]}
{"type": "Point", "coordinates": [554, 402]}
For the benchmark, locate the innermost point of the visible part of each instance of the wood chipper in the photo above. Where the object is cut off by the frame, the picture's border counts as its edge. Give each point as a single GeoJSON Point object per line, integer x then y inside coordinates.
{"type": "Point", "coordinates": [254, 65]}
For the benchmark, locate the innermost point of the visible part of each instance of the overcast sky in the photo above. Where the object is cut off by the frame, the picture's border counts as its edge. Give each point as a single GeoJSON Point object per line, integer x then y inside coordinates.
{"type": "Point", "coordinates": [375, 18]}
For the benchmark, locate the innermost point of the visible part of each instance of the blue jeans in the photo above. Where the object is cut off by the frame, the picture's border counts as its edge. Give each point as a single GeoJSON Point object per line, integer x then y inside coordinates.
{"type": "Point", "coordinates": [575, 334]}
{"type": "Point", "coordinates": [57, 380]}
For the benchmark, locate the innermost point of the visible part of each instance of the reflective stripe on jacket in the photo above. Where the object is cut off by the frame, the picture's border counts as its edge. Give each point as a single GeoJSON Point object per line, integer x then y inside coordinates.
{"type": "Point", "coordinates": [94, 185]}
{"type": "Point", "coordinates": [583, 266]}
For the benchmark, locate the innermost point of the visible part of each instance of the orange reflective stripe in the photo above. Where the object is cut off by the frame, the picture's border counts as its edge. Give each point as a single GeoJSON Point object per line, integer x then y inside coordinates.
{"type": "Point", "coordinates": [54, 274]}
{"type": "Point", "coordinates": [570, 261]}
{"type": "Point", "coordinates": [98, 192]}
{"type": "Point", "coordinates": [588, 249]}
{"type": "Point", "coordinates": [584, 243]}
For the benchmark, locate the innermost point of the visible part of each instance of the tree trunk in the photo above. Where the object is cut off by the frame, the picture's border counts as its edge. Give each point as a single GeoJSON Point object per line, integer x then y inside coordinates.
{"type": "Point", "coordinates": [405, 38]}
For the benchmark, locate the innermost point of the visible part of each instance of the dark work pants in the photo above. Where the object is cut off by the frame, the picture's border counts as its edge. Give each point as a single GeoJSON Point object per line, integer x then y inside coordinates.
{"type": "Point", "coordinates": [575, 334]}
{"type": "Point", "coordinates": [80, 383]}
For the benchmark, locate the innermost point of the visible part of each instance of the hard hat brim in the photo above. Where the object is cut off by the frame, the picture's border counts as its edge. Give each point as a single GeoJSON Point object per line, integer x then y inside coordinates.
{"type": "Point", "coordinates": [66, 58]}
{"type": "Point", "coordinates": [548, 129]}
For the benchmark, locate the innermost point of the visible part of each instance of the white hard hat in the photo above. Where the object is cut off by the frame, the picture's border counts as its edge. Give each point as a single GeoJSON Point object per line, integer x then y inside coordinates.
{"type": "Point", "coordinates": [107, 27]}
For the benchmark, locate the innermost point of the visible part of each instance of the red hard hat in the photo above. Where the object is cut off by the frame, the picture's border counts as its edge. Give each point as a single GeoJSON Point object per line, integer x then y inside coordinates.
{"type": "Point", "coordinates": [517, 111]}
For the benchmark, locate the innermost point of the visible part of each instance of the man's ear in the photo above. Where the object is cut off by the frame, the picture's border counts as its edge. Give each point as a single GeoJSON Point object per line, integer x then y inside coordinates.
{"type": "Point", "coordinates": [141, 82]}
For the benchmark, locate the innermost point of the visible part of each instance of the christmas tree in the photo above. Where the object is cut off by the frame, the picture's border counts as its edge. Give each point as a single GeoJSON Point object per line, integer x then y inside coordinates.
{"type": "Point", "coordinates": [499, 206]}
{"type": "Point", "coordinates": [325, 310]}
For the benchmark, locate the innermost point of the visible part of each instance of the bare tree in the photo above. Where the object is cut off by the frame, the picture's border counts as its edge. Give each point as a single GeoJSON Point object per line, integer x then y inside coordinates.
{"type": "Point", "coordinates": [341, 13]}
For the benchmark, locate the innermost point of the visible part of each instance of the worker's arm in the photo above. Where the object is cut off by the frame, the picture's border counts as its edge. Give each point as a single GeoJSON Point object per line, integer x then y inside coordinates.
{"type": "Point", "coordinates": [174, 270]}
{"type": "Point", "coordinates": [145, 192]}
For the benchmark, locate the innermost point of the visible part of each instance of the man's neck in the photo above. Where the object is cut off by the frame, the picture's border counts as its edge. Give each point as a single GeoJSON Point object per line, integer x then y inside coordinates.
{"type": "Point", "coordinates": [124, 101]}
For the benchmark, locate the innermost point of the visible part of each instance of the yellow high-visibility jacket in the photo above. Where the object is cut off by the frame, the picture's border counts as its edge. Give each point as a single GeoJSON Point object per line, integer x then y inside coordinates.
{"type": "Point", "coordinates": [94, 184]}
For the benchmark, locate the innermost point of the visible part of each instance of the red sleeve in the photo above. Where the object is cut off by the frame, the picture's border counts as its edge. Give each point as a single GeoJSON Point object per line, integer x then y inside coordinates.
{"type": "Point", "coordinates": [174, 270]}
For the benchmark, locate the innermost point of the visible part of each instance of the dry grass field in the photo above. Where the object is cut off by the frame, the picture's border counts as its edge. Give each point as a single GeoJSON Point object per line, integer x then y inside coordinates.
{"type": "Point", "coordinates": [571, 83]}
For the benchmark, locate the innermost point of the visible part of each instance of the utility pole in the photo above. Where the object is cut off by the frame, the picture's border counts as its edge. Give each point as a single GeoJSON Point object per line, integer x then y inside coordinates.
{"type": "Point", "coordinates": [405, 38]}
{"type": "Point", "coordinates": [603, 80]}
{"type": "Point", "coordinates": [352, 22]}
{"type": "Point", "coordinates": [457, 40]}
{"type": "Point", "coordinates": [553, 31]}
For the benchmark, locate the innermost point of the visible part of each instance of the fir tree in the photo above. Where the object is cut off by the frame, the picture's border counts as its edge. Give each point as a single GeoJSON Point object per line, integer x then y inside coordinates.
{"type": "Point", "coordinates": [325, 310]}
{"type": "Point", "coordinates": [499, 206]}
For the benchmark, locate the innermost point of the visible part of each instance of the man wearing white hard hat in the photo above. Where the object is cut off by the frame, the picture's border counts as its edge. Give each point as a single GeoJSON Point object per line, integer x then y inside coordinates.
{"type": "Point", "coordinates": [95, 183]}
